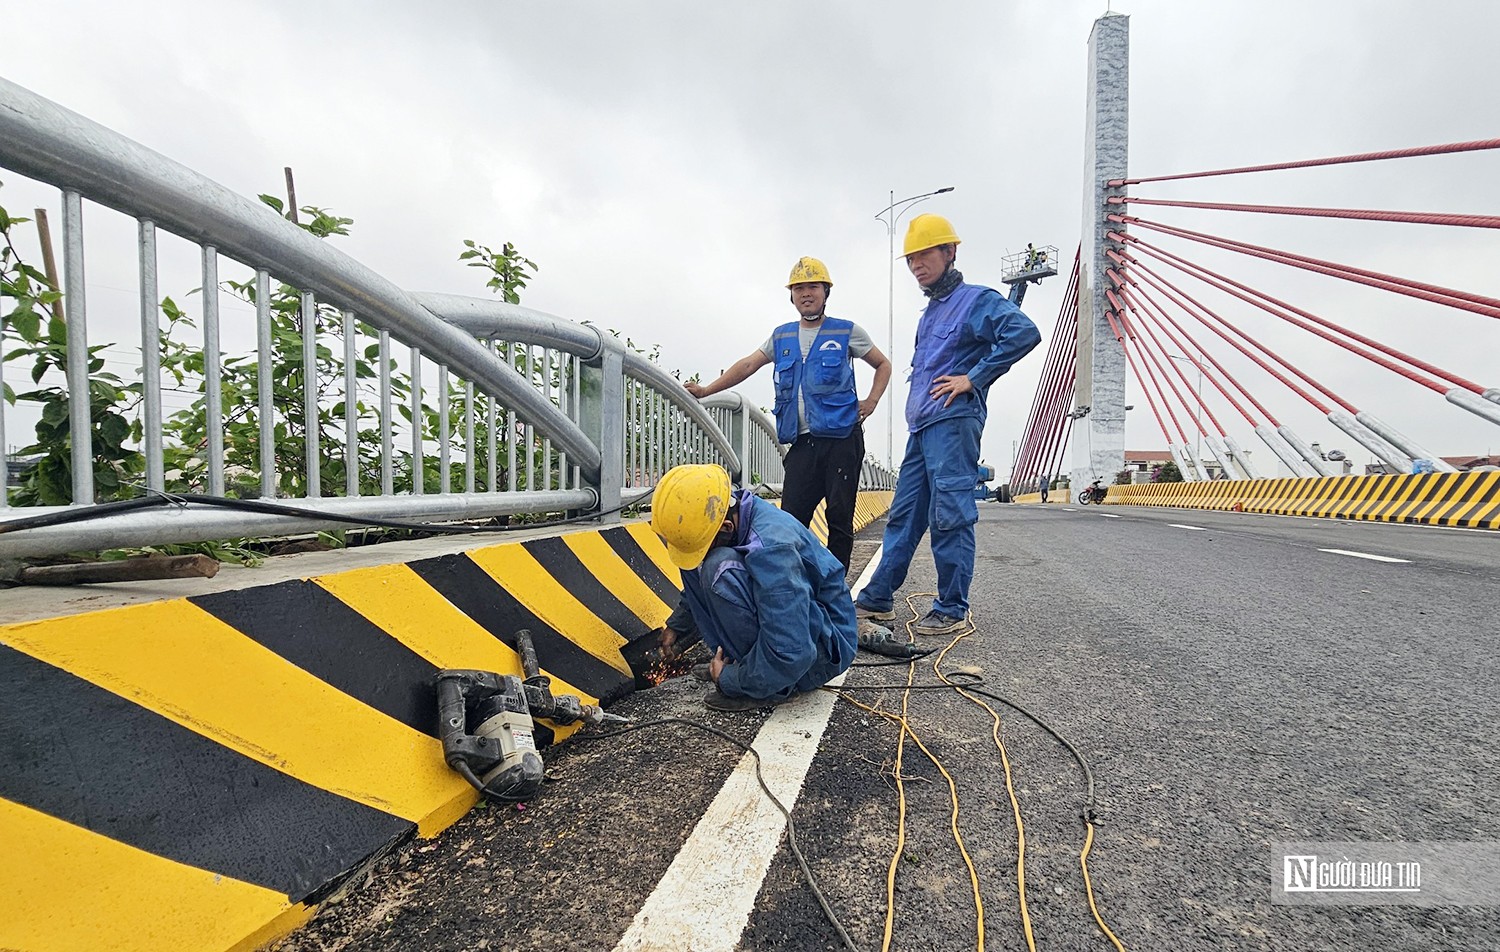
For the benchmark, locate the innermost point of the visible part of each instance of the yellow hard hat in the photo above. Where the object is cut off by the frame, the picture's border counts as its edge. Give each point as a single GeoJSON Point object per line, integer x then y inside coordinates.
{"type": "Point", "coordinates": [687, 509]}
{"type": "Point", "coordinates": [928, 231]}
{"type": "Point", "coordinates": [809, 271]}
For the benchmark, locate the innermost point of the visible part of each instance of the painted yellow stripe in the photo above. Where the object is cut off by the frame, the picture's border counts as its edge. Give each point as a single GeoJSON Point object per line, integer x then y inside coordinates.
{"type": "Point", "coordinates": [533, 586]}
{"type": "Point", "coordinates": [183, 663]}
{"type": "Point", "coordinates": [66, 887]}
{"type": "Point", "coordinates": [651, 544]}
{"type": "Point", "coordinates": [614, 574]}
{"type": "Point", "coordinates": [397, 600]}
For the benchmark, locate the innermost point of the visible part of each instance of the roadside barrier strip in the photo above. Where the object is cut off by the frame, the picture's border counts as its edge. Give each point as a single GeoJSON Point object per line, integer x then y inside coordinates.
{"type": "Point", "coordinates": [1470, 500]}
{"type": "Point", "coordinates": [199, 773]}
{"type": "Point", "coordinates": [871, 505]}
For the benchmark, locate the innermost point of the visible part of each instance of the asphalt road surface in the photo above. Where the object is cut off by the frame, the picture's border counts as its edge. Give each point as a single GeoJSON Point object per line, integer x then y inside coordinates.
{"type": "Point", "coordinates": [1233, 684]}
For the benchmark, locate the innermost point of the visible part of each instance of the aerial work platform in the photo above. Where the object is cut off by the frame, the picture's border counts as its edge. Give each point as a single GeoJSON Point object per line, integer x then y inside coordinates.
{"type": "Point", "coordinates": [1033, 264]}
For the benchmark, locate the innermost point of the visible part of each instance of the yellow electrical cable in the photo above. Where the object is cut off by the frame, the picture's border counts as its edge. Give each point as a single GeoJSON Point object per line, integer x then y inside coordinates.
{"type": "Point", "coordinates": [890, 876]}
{"type": "Point", "coordinates": [901, 834]}
{"type": "Point", "coordinates": [906, 729]}
{"type": "Point", "coordinates": [1010, 788]}
{"type": "Point", "coordinates": [1088, 885]}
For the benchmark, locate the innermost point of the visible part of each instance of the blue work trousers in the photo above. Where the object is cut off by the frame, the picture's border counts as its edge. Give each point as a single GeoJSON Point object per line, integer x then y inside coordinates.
{"type": "Point", "coordinates": [936, 490]}
{"type": "Point", "coordinates": [732, 622]}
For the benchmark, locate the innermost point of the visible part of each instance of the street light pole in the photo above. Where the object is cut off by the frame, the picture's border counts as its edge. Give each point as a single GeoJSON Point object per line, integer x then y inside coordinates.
{"type": "Point", "coordinates": [1197, 410]}
{"type": "Point", "coordinates": [890, 216]}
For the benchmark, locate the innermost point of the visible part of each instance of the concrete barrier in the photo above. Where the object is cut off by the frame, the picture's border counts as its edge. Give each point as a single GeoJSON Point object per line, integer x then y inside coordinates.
{"type": "Point", "coordinates": [1470, 500]}
{"type": "Point", "coordinates": [199, 772]}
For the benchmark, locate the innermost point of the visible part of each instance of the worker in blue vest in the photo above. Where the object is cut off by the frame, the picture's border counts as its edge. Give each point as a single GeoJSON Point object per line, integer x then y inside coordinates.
{"type": "Point", "coordinates": [766, 597]}
{"type": "Point", "coordinates": [967, 337]}
{"type": "Point", "coordinates": [818, 409]}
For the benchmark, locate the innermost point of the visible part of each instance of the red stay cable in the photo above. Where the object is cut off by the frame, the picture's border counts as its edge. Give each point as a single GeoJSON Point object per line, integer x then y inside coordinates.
{"type": "Point", "coordinates": [1120, 336]}
{"type": "Point", "coordinates": [1228, 286]}
{"type": "Point", "coordinates": [1358, 214]}
{"type": "Point", "coordinates": [1134, 292]}
{"type": "Point", "coordinates": [1437, 294]}
{"type": "Point", "coordinates": [1153, 278]}
{"type": "Point", "coordinates": [1150, 359]}
{"type": "Point", "coordinates": [1478, 145]}
{"type": "Point", "coordinates": [1203, 408]}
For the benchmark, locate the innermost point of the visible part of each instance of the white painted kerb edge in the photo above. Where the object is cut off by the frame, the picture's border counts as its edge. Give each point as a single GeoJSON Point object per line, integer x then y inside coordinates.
{"type": "Point", "coordinates": [704, 899]}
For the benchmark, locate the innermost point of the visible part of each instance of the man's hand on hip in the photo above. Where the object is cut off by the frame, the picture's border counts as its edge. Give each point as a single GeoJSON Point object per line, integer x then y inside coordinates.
{"type": "Point", "coordinates": [950, 385]}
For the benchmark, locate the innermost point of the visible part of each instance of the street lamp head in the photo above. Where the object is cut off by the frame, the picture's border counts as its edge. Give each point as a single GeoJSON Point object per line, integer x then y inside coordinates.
{"type": "Point", "coordinates": [942, 190]}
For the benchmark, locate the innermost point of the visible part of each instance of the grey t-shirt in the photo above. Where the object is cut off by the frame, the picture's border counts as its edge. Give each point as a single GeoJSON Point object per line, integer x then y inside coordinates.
{"type": "Point", "coordinates": [859, 345]}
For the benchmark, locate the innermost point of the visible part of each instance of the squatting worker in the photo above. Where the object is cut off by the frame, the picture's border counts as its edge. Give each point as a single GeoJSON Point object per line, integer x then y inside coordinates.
{"type": "Point", "coordinates": [766, 597]}
{"type": "Point", "coordinates": [967, 337]}
{"type": "Point", "coordinates": [818, 410]}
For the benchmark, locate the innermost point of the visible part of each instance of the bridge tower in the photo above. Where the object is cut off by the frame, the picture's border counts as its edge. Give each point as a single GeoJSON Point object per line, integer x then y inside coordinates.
{"type": "Point", "coordinates": [1099, 433]}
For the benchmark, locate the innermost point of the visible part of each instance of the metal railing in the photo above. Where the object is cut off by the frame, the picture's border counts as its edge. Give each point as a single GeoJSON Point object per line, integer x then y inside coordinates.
{"type": "Point", "coordinates": [581, 422]}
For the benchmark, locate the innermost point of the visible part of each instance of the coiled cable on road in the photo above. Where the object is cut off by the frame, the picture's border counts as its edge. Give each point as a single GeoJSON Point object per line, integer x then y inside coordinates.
{"type": "Point", "coordinates": [971, 685]}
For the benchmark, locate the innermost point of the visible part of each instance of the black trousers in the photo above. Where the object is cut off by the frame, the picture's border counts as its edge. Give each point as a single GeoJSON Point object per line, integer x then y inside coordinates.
{"type": "Point", "coordinates": [818, 468]}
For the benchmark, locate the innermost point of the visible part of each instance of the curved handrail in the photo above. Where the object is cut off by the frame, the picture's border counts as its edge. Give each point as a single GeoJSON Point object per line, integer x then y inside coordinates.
{"type": "Point", "coordinates": [41, 139]}
{"type": "Point", "coordinates": [486, 318]}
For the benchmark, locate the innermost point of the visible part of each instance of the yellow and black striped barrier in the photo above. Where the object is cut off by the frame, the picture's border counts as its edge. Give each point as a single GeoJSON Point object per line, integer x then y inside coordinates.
{"type": "Point", "coordinates": [1470, 500]}
{"type": "Point", "coordinates": [198, 773]}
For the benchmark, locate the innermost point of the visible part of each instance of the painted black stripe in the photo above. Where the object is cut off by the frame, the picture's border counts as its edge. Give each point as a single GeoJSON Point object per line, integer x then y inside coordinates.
{"type": "Point", "coordinates": [1485, 498]}
{"type": "Point", "coordinates": [1448, 512]}
{"type": "Point", "coordinates": [1393, 496]}
{"type": "Point", "coordinates": [564, 565]}
{"type": "Point", "coordinates": [308, 626]}
{"type": "Point", "coordinates": [1436, 486]}
{"type": "Point", "coordinates": [1344, 497]}
{"type": "Point", "coordinates": [93, 759]}
{"type": "Point", "coordinates": [628, 548]}
{"type": "Point", "coordinates": [479, 596]}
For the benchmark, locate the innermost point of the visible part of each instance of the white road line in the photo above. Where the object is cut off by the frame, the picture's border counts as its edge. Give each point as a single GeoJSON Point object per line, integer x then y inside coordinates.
{"type": "Point", "coordinates": [705, 898]}
{"type": "Point", "coordinates": [1178, 525]}
{"type": "Point", "coordinates": [1066, 509]}
{"type": "Point", "coordinates": [1109, 515]}
{"type": "Point", "coordinates": [1365, 555]}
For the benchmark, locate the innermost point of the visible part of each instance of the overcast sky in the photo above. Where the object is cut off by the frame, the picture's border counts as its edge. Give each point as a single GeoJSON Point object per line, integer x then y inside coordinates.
{"type": "Point", "coordinates": [666, 163]}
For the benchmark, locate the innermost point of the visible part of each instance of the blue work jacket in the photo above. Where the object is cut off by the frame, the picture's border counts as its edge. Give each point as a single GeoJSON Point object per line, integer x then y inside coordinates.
{"type": "Point", "coordinates": [975, 331]}
{"type": "Point", "coordinates": [825, 380]}
{"type": "Point", "coordinates": [796, 629]}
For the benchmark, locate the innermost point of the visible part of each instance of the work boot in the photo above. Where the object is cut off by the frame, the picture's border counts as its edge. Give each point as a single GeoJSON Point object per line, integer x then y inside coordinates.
{"type": "Point", "coordinates": [701, 672]}
{"type": "Point", "coordinates": [936, 623]}
{"type": "Point", "coordinates": [716, 700]}
{"type": "Point", "coordinates": [873, 614]}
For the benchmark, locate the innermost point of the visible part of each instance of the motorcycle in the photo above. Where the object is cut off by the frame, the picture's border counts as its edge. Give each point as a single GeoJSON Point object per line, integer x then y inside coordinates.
{"type": "Point", "coordinates": [1093, 493]}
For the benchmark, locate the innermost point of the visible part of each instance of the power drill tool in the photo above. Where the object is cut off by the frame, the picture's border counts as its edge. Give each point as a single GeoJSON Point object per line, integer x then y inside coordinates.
{"type": "Point", "coordinates": [500, 758]}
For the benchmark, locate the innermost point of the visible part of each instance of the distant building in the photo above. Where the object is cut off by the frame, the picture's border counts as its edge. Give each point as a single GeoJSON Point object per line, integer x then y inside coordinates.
{"type": "Point", "coordinates": [1142, 462]}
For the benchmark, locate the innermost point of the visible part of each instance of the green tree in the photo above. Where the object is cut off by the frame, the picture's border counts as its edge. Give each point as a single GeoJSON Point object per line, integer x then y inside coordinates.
{"type": "Point", "coordinates": [1166, 473]}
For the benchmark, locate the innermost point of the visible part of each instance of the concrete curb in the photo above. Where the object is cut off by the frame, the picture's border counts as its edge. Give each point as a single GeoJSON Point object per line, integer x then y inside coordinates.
{"type": "Point", "coordinates": [200, 772]}
{"type": "Point", "coordinates": [1470, 500]}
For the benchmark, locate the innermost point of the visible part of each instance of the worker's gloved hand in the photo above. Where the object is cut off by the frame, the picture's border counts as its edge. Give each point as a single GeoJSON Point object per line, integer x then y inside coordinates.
{"type": "Point", "coordinates": [666, 645]}
{"type": "Point", "coordinates": [716, 665]}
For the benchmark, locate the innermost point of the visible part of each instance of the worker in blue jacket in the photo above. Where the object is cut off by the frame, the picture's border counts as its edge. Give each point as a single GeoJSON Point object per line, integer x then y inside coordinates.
{"type": "Point", "coordinates": [966, 339]}
{"type": "Point", "coordinates": [767, 598]}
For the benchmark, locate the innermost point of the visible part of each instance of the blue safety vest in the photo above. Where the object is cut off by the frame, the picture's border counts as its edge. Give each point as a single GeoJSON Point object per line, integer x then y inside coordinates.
{"type": "Point", "coordinates": [828, 396]}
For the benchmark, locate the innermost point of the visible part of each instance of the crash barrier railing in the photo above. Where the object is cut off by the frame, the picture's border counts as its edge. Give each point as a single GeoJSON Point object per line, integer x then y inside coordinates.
{"type": "Point", "coordinates": [572, 420]}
